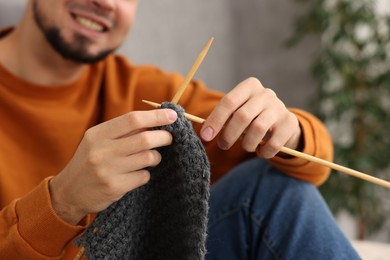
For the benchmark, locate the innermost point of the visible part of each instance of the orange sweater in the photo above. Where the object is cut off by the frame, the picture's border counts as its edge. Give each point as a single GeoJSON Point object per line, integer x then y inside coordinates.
{"type": "Point", "coordinates": [41, 128]}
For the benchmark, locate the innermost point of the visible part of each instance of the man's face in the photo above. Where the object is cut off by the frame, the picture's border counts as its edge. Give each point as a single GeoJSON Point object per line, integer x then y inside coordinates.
{"type": "Point", "coordinates": [84, 31]}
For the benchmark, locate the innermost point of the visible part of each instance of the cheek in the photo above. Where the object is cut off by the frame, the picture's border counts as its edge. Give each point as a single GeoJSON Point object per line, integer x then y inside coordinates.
{"type": "Point", "coordinates": [126, 16]}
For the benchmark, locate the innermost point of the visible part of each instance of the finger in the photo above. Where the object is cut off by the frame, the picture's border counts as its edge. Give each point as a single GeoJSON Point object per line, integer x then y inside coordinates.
{"type": "Point", "coordinates": [239, 122]}
{"type": "Point", "coordinates": [126, 164]}
{"type": "Point", "coordinates": [132, 121]}
{"type": "Point", "coordinates": [258, 130]}
{"type": "Point", "coordinates": [142, 141]}
{"type": "Point", "coordinates": [127, 173]}
{"type": "Point", "coordinates": [141, 160]}
{"type": "Point", "coordinates": [278, 138]}
{"type": "Point", "coordinates": [225, 109]}
{"type": "Point", "coordinates": [295, 140]}
{"type": "Point", "coordinates": [286, 131]}
{"type": "Point", "coordinates": [132, 180]}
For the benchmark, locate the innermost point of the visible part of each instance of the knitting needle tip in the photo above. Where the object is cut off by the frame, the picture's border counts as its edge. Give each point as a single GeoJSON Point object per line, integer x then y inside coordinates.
{"type": "Point", "coordinates": [192, 72]}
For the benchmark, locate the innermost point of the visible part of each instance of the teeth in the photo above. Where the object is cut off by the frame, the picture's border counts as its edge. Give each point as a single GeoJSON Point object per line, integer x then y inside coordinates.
{"type": "Point", "coordinates": [89, 24]}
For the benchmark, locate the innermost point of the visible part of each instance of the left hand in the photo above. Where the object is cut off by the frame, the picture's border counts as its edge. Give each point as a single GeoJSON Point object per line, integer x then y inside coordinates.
{"type": "Point", "coordinates": [255, 114]}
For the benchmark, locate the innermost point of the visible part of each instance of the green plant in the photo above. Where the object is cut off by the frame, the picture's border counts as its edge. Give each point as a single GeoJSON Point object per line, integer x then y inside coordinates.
{"type": "Point", "coordinates": [353, 99]}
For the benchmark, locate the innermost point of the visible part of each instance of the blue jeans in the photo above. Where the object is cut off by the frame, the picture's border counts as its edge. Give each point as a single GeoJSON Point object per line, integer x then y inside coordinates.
{"type": "Point", "coordinates": [256, 212]}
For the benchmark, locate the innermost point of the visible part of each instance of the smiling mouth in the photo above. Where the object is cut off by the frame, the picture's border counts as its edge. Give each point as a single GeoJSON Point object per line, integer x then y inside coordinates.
{"type": "Point", "coordinates": [89, 24]}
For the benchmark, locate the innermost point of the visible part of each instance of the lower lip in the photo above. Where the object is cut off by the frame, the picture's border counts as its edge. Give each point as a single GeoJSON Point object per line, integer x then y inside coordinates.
{"type": "Point", "coordinates": [85, 31]}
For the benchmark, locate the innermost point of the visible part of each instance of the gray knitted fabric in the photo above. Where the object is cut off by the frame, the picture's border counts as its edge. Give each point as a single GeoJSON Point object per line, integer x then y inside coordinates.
{"type": "Point", "coordinates": [165, 219]}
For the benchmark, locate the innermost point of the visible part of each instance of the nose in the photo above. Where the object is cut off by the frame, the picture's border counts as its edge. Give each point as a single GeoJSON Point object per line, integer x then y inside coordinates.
{"type": "Point", "coordinates": [104, 4]}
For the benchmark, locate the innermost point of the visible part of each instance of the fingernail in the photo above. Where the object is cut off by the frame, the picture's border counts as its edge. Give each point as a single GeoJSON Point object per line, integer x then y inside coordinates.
{"type": "Point", "coordinates": [207, 133]}
{"type": "Point", "coordinates": [223, 145]}
{"type": "Point", "coordinates": [172, 115]}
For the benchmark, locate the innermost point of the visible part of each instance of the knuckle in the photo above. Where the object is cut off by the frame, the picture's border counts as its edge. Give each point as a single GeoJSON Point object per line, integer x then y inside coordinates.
{"type": "Point", "coordinates": [95, 157]}
{"type": "Point", "coordinates": [146, 139]}
{"type": "Point", "coordinates": [267, 154]}
{"type": "Point", "coordinates": [144, 177]}
{"type": "Point", "coordinates": [229, 101]}
{"type": "Point", "coordinates": [254, 81]}
{"type": "Point", "coordinates": [249, 147]}
{"type": "Point", "coordinates": [244, 117]}
{"type": "Point", "coordinates": [274, 145]}
{"type": "Point", "coordinates": [270, 93]}
{"type": "Point", "coordinates": [293, 119]}
{"type": "Point", "coordinates": [151, 157]}
{"type": "Point", "coordinates": [215, 121]}
{"type": "Point", "coordinates": [259, 126]}
{"type": "Point", "coordinates": [134, 119]}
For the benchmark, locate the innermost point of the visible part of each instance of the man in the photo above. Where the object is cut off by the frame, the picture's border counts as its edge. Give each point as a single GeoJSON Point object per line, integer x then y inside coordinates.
{"type": "Point", "coordinates": [72, 110]}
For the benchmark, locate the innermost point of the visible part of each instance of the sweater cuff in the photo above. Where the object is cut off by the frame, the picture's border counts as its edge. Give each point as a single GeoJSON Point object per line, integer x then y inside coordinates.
{"type": "Point", "coordinates": [40, 226]}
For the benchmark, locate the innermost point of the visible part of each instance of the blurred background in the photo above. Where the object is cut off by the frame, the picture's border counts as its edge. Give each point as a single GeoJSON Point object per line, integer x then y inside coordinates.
{"type": "Point", "coordinates": [330, 57]}
{"type": "Point", "coordinates": [249, 37]}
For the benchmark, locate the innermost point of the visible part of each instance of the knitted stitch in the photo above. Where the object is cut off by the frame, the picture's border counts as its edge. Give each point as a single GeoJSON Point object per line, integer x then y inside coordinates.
{"type": "Point", "coordinates": [165, 219]}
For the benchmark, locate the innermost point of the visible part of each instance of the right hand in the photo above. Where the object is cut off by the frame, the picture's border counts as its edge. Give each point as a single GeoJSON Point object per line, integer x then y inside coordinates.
{"type": "Point", "coordinates": [110, 161]}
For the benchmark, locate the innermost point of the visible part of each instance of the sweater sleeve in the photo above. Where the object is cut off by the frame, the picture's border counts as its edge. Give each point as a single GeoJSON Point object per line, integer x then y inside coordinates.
{"type": "Point", "coordinates": [28, 223]}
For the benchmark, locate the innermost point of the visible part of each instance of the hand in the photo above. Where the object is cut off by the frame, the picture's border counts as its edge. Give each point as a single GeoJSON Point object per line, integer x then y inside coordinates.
{"type": "Point", "coordinates": [254, 114]}
{"type": "Point", "coordinates": [110, 161]}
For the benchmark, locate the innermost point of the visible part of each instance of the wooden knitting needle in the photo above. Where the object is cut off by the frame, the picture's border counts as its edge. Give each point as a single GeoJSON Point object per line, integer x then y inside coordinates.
{"type": "Point", "coordinates": [337, 167]}
{"type": "Point", "coordinates": [80, 254]}
{"type": "Point", "coordinates": [192, 72]}
{"type": "Point", "coordinates": [188, 116]}
{"type": "Point", "coordinates": [301, 155]}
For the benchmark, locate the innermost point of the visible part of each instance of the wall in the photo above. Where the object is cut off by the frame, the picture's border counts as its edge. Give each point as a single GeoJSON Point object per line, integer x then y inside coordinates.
{"type": "Point", "coordinates": [249, 37]}
{"type": "Point", "coordinates": [10, 11]}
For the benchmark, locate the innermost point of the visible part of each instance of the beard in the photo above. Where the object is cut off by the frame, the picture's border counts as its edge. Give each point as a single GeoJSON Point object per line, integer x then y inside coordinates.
{"type": "Point", "coordinates": [77, 52]}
